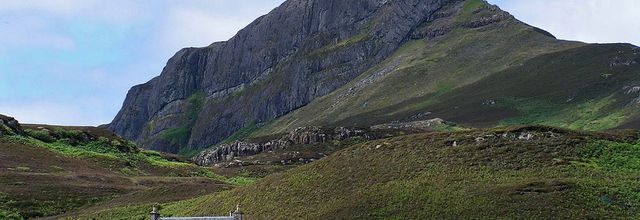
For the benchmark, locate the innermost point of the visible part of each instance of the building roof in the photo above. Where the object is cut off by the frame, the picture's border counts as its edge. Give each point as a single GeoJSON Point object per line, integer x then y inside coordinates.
{"type": "Point", "coordinates": [199, 218]}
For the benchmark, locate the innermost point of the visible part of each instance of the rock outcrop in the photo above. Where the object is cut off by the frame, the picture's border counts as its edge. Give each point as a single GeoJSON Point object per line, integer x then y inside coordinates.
{"type": "Point", "coordinates": [447, 19]}
{"type": "Point", "coordinates": [282, 61]}
{"type": "Point", "coordinates": [419, 126]}
{"type": "Point", "coordinates": [10, 126]}
{"type": "Point", "coordinates": [305, 136]}
{"type": "Point", "coordinates": [300, 136]}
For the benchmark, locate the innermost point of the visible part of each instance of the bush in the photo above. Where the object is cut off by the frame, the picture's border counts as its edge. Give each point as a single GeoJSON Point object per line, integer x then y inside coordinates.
{"type": "Point", "coordinates": [6, 212]}
{"type": "Point", "coordinates": [71, 134]}
{"type": "Point", "coordinates": [42, 135]}
{"type": "Point", "coordinates": [10, 215]}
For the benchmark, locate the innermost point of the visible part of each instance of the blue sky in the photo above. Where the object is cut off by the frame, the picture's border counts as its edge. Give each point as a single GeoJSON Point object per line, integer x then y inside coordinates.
{"type": "Point", "coordinates": [71, 62]}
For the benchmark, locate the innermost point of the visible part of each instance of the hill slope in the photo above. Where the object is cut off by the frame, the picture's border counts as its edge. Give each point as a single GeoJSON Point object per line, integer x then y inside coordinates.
{"type": "Point", "coordinates": [512, 173]}
{"type": "Point", "coordinates": [51, 170]}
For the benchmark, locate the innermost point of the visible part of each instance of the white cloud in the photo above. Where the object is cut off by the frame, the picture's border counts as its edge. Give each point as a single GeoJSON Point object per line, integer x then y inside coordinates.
{"type": "Point", "coordinates": [593, 21]}
{"type": "Point", "coordinates": [52, 6]}
{"type": "Point", "coordinates": [118, 12]}
{"type": "Point", "coordinates": [32, 32]}
{"type": "Point", "coordinates": [44, 112]}
{"type": "Point", "coordinates": [187, 27]}
{"type": "Point", "coordinates": [204, 22]}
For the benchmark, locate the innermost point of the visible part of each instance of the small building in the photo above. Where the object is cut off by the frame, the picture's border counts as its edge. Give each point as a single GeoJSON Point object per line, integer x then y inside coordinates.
{"type": "Point", "coordinates": [235, 215]}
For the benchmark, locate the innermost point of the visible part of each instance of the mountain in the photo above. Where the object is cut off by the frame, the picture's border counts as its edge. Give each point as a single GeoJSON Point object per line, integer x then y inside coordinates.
{"type": "Point", "coordinates": [360, 63]}
{"type": "Point", "coordinates": [500, 73]}
{"type": "Point", "coordinates": [353, 109]}
{"type": "Point", "coordinates": [300, 51]}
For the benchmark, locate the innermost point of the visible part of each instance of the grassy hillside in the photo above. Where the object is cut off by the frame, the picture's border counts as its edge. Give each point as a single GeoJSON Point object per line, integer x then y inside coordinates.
{"type": "Point", "coordinates": [584, 88]}
{"type": "Point", "coordinates": [50, 170]}
{"type": "Point", "coordinates": [512, 173]}
{"type": "Point", "coordinates": [592, 87]}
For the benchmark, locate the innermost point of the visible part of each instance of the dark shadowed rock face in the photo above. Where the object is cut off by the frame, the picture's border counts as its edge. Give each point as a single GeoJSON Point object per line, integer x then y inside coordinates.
{"type": "Point", "coordinates": [9, 126]}
{"type": "Point", "coordinates": [301, 50]}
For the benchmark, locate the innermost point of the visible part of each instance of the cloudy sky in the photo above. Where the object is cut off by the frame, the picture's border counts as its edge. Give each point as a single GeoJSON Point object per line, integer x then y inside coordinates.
{"type": "Point", "coordinates": [71, 62]}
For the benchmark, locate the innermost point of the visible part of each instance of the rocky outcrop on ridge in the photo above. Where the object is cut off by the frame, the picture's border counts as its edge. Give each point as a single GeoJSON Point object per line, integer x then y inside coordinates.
{"type": "Point", "coordinates": [10, 126]}
{"type": "Point", "coordinates": [300, 136]}
{"type": "Point", "coordinates": [311, 136]}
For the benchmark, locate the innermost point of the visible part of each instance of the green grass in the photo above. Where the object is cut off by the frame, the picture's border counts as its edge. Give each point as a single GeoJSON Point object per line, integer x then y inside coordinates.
{"type": "Point", "coordinates": [241, 134]}
{"type": "Point", "coordinates": [571, 176]}
{"type": "Point", "coordinates": [591, 115]}
{"type": "Point", "coordinates": [92, 167]}
{"type": "Point", "coordinates": [129, 162]}
{"type": "Point", "coordinates": [40, 135]}
{"type": "Point", "coordinates": [448, 128]}
{"type": "Point", "coordinates": [38, 208]}
{"type": "Point", "coordinates": [562, 89]}
{"type": "Point", "coordinates": [328, 49]}
{"type": "Point", "coordinates": [6, 210]}
{"type": "Point", "coordinates": [6, 129]}
{"type": "Point", "coordinates": [189, 152]}
{"type": "Point", "coordinates": [613, 156]}
{"type": "Point", "coordinates": [621, 163]}
{"type": "Point", "coordinates": [433, 99]}
{"type": "Point", "coordinates": [180, 135]}
{"type": "Point", "coordinates": [242, 181]}
{"type": "Point", "coordinates": [469, 7]}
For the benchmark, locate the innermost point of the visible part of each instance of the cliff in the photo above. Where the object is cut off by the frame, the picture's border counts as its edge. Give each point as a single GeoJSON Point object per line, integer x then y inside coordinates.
{"type": "Point", "coordinates": [301, 50]}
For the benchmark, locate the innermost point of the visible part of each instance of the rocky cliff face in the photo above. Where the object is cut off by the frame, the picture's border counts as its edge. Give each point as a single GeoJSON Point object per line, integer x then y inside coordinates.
{"type": "Point", "coordinates": [282, 61]}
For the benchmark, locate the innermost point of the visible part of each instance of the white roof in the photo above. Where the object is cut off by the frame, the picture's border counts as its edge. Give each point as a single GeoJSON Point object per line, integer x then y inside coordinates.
{"type": "Point", "coordinates": [198, 218]}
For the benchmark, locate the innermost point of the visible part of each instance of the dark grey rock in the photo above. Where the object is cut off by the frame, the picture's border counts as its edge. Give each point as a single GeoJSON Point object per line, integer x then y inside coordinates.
{"type": "Point", "coordinates": [300, 51]}
{"type": "Point", "coordinates": [10, 126]}
{"type": "Point", "coordinates": [300, 136]}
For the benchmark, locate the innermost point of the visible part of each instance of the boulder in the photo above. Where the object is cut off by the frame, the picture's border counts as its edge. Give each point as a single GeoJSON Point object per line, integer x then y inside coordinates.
{"type": "Point", "coordinates": [10, 126]}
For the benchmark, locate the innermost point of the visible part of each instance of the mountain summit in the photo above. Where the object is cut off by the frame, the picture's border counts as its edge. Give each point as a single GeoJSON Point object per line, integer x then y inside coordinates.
{"type": "Point", "coordinates": [302, 50]}
{"type": "Point", "coordinates": [366, 62]}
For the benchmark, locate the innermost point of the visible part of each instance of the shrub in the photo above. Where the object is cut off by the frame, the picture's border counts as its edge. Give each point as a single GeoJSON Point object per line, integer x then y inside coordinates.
{"type": "Point", "coordinates": [71, 134]}
{"type": "Point", "coordinates": [42, 135]}
{"type": "Point", "coordinates": [10, 215]}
